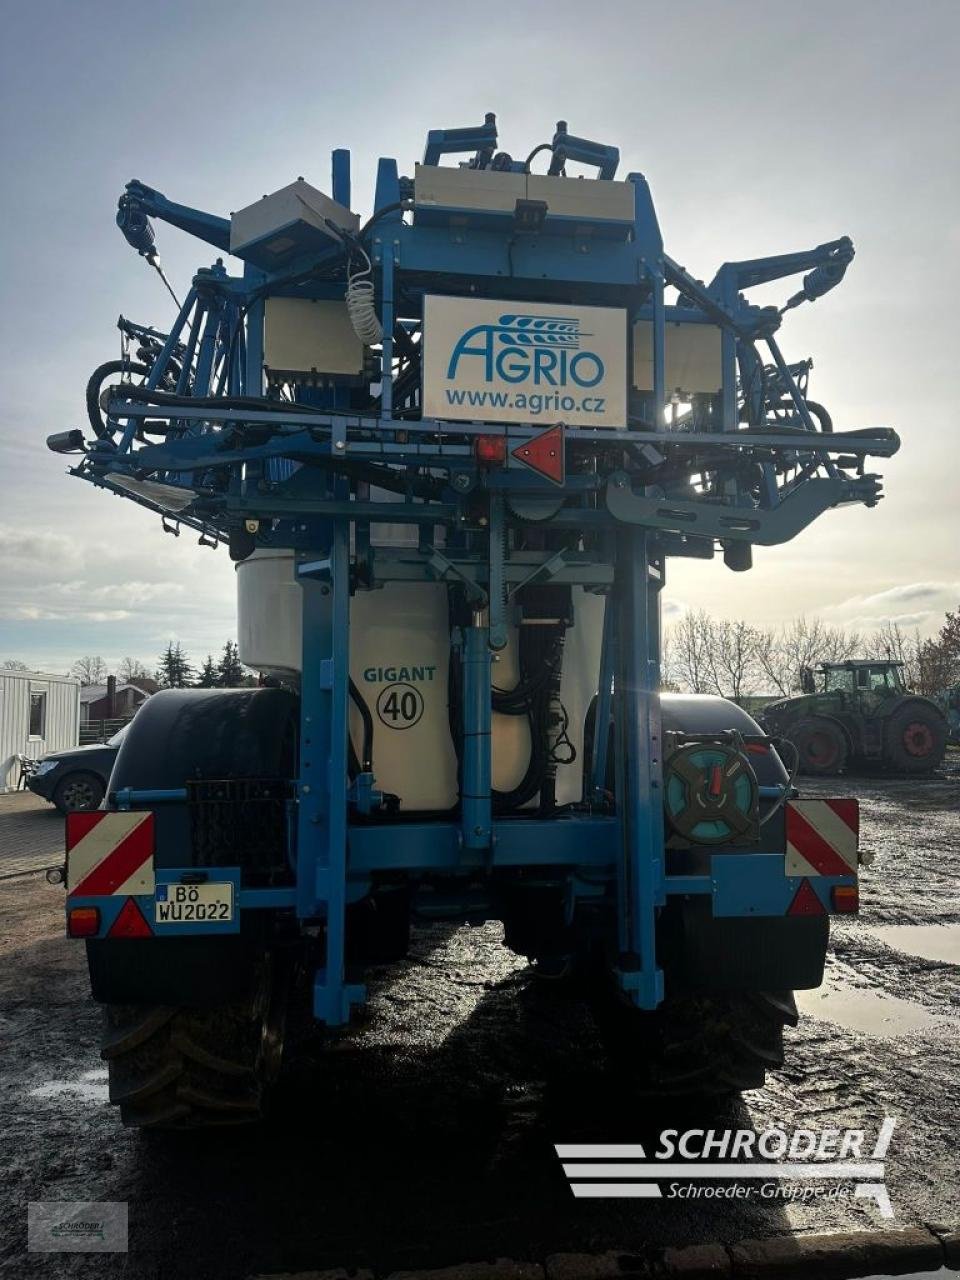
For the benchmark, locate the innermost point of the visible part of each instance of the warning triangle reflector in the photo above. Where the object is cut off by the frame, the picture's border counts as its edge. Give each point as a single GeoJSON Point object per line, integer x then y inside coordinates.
{"type": "Point", "coordinates": [130, 923]}
{"type": "Point", "coordinates": [544, 454]}
{"type": "Point", "coordinates": [805, 902]}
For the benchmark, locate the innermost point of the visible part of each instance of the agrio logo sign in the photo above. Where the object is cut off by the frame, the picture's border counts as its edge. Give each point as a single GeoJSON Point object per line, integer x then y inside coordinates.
{"type": "Point", "coordinates": [489, 361]}
{"type": "Point", "coordinates": [545, 350]}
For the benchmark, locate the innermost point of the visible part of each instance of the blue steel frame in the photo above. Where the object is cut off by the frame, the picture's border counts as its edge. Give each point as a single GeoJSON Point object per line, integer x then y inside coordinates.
{"type": "Point", "coordinates": [298, 476]}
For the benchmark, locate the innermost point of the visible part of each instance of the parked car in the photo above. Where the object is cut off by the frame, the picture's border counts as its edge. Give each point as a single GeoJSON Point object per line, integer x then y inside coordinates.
{"type": "Point", "coordinates": [76, 779]}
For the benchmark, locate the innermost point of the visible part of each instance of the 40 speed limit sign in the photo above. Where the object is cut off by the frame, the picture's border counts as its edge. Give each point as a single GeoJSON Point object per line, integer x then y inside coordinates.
{"type": "Point", "coordinates": [400, 706]}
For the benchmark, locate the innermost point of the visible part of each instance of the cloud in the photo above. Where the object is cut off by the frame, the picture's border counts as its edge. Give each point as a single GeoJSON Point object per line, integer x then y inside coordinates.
{"type": "Point", "coordinates": [910, 604]}
{"type": "Point", "coordinates": [36, 544]}
{"type": "Point", "coordinates": [133, 593]}
{"type": "Point", "coordinates": [114, 587]}
{"type": "Point", "coordinates": [28, 612]}
{"type": "Point", "coordinates": [910, 591]}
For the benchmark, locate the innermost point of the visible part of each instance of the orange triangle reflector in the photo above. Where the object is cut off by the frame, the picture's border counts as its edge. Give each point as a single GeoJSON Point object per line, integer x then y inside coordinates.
{"type": "Point", "coordinates": [544, 454]}
{"type": "Point", "coordinates": [805, 902]}
{"type": "Point", "coordinates": [130, 923]}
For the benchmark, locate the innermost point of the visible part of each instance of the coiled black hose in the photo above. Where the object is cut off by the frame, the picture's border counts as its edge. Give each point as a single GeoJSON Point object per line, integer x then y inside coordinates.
{"type": "Point", "coordinates": [111, 369]}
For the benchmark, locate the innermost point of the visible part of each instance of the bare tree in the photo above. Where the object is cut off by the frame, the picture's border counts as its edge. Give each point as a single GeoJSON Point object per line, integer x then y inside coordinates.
{"type": "Point", "coordinates": [733, 657]}
{"type": "Point", "coordinates": [14, 664]}
{"type": "Point", "coordinates": [706, 655]}
{"type": "Point", "coordinates": [131, 669]}
{"type": "Point", "coordinates": [772, 662]}
{"type": "Point", "coordinates": [838, 645]}
{"type": "Point", "coordinates": [691, 643]}
{"type": "Point", "coordinates": [668, 681]}
{"type": "Point", "coordinates": [90, 669]}
{"type": "Point", "coordinates": [892, 644]}
{"type": "Point", "coordinates": [782, 655]}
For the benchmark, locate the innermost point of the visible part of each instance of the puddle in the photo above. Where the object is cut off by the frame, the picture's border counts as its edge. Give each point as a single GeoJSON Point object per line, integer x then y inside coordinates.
{"type": "Point", "coordinates": [928, 941]}
{"type": "Point", "coordinates": [90, 1087]}
{"type": "Point", "coordinates": [859, 1009]}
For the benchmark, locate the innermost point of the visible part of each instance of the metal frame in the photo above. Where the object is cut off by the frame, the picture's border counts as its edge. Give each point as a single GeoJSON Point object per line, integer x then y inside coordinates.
{"type": "Point", "coordinates": [298, 476]}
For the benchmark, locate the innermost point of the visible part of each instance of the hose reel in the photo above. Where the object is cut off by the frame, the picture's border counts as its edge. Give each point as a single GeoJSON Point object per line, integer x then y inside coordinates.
{"type": "Point", "coordinates": [711, 794]}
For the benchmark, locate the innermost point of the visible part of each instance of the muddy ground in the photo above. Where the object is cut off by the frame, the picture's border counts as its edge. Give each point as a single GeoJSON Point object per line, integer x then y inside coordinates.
{"type": "Point", "coordinates": [426, 1137]}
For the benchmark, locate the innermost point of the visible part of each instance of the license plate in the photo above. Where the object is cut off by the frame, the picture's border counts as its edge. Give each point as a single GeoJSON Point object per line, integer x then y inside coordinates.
{"type": "Point", "coordinates": [194, 903]}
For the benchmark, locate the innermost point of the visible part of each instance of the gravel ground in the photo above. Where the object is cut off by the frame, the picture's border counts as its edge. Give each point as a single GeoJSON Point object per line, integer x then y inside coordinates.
{"type": "Point", "coordinates": [425, 1136]}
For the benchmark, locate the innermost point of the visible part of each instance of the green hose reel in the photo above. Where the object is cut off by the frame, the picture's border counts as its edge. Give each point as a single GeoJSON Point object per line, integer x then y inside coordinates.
{"type": "Point", "coordinates": [711, 795]}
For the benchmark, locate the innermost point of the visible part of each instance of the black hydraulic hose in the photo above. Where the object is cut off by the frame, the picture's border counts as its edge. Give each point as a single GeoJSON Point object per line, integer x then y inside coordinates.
{"type": "Point", "coordinates": [144, 396]}
{"type": "Point", "coordinates": [96, 381]}
{"type": "Point", "coordinates": [366, 749]}
{"type": "Point", "coordinates": [819, 412]}
{"type": "Point", "coordinates": [788, 786]}
{"type": "Point", "coordinates": [515, 701]}
{"type": "Point", "coordinates": [544, 146]}
{"type": "Point", "coordinates": [381, 213]}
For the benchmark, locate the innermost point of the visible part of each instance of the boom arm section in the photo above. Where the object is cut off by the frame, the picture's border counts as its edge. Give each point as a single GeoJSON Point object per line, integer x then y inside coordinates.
{"type": "Point", "coordinates": [140, 203]}
{"type": "Point", "coordinates": [826, 264]}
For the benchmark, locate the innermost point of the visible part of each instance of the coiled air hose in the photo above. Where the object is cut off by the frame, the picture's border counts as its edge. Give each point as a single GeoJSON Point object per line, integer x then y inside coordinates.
{"type": "Point", "coordinates": [361, 303]}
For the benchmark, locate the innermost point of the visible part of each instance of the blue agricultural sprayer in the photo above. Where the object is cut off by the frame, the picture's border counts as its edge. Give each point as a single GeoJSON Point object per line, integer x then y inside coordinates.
{"type": "Point", "coordinates": [451, 449]}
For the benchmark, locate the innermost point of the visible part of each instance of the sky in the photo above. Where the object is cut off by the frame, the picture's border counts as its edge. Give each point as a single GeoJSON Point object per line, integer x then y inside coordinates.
{"type": "Point", "coordinates": [762, 127]}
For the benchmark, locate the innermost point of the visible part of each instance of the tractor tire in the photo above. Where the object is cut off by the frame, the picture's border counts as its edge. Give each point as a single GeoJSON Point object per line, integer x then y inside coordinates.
{"type": "Point", "coordinates": [915, 740]}
{"type": "Point", "coordinates": [821, 745]}
{"type": "Point", "coordinates": [695, 1044]}
{"type": "Point", "coordinates": [173, 1068]}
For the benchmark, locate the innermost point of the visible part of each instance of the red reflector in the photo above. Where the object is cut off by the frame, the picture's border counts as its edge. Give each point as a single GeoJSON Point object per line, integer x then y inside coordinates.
{"type": "Point", "coordinates": [845, 898]}
{"type": "Point", "coordinates": [80, 824]}
{"type": "Point", "coordinates": [545, 454]}
{"type": "Point", "coordinates": [130, 923]}
{"type": "Point", "coordinates": [805, 902]}
{"type": "Point", "coordinates": [490, 449]}
{"type": "Point", "coordinates": [83, 922]}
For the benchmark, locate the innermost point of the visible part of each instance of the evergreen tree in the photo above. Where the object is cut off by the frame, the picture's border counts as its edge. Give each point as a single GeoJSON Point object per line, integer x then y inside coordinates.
{"type": "Point", "coordinates": [208, 676]}
{"type": "Point", "coordinates": [230, 672]}
{"type": "Point", "coordinates": [174, 671]}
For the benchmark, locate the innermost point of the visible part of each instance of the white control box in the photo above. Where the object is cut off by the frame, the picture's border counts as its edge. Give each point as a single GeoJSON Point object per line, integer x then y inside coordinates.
{"type": "Point", "coordinates": [287, 223]}
{"type": "Point", "coordinates": [304, 336]}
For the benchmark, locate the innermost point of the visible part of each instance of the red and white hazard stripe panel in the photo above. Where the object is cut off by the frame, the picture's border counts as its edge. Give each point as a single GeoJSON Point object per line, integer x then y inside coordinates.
{"type": "Point", "coordinates": [110, 853]}
{"type": "Point", "coordinates": [822, 837]}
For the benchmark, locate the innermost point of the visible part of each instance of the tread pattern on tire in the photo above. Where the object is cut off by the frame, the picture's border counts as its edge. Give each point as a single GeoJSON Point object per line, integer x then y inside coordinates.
{"type": "Point", "coordinates": [184, 1068]}
{"type": "Point", "coordinates": [715, 1044]}
{"type": "Point", "coordinates": [800, 734]}
{"type": "Point", "coordinates": [895, 753]}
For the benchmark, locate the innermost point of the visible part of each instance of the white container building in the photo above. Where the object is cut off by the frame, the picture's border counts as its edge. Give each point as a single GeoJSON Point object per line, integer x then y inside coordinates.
{"type": "Point", "coordinates": [38, 713]}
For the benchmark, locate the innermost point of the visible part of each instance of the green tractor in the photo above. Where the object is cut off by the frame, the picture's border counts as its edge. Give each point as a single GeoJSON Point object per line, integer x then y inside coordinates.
{"type": "Point", "coordinates": [859, 710]}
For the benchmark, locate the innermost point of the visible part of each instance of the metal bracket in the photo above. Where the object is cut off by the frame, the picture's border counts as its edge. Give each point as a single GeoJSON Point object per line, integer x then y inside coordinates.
{"type": "Point", "coordinates": [746, 524]}
{"type": "Point", "coordinates": [549, 569]}
{"type": "Point", "coordinates": [321, 570]}
{"type": "Point", "coordinates": [443, 570]}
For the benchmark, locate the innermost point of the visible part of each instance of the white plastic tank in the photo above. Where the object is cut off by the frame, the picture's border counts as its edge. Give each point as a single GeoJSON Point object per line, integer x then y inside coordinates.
{"type": "Point", "coordinates": [399, 660]}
